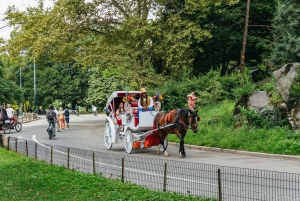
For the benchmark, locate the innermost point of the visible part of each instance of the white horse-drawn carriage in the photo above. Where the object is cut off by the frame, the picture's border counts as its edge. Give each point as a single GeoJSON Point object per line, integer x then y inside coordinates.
{"type": "Point", "coordinates": [136, 128]}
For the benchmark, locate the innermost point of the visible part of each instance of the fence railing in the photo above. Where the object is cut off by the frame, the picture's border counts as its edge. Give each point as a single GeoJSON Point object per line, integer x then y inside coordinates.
{"type": "Point", "coordinates": [212, 181]}
{"type": "Point", "coordinates": [25, 117]}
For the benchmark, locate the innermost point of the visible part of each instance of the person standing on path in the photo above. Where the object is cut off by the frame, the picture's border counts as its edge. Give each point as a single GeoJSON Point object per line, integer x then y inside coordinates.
{"type": "Point", "coordinates": [77, 110]}
{"type": "Point", "coordinates": [95, 110]}
{"type": "Point", "coordinates": [62, 121]}
{"type": "Point", "coordinates": [57, 118]}
{"type": "Point", "coordinates": [67, 116]}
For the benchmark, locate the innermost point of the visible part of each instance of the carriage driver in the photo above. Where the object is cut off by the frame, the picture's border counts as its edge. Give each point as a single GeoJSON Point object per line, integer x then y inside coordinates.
{"type": "Point", "coordinates": [145, 102]}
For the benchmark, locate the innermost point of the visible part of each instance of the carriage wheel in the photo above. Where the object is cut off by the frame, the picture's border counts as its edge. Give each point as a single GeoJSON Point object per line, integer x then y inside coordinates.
{"type": "Point", "coordinates": [128, 141]}
{"type": "Point", "coordinates": [6, 128]}
{"type": "Point", "coordinates": [165, 144]}
{"type": "Point", "coordinates": [107, 136]}
{"type": "Point", "coordinates": [18, 127]}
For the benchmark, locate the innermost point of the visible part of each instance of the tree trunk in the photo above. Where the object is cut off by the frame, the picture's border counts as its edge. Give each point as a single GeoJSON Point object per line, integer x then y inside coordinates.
{"type": "Point", "coordinates": [245, 40]}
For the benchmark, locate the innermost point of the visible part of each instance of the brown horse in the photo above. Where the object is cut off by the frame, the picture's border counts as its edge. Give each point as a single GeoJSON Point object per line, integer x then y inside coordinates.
{"type": "Point", "coordinates": [179, 121]}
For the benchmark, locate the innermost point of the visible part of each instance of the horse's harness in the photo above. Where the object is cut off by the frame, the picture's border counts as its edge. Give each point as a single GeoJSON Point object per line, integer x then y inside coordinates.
{"type": "Point", "coordinates": [179, 122]}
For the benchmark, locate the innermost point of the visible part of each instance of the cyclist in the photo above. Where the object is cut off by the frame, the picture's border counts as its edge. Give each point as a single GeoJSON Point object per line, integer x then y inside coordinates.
{"type": "Point", "coordinates": [10, 114]}
{"type": "Point", "coordinates": [51, 118]}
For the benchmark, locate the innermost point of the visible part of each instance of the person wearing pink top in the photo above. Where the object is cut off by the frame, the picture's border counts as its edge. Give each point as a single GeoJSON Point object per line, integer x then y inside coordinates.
{"type": "Point", "coordinates": [191, 100]}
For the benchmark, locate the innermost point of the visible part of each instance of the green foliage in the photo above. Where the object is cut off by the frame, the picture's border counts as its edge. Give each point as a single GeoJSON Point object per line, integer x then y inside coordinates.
{"type": "Point", "coordinates": [295, 89]}
{"type": "Point", "coordinates": [101, 87]}
{"type": "Point", "coordinates": [23, 178]}
{"type": "Point", "coordinates": [267, 120]}
{"type": "Point", "coordinates": [286, 33]}
{"type": "Point", "coordinates": [246, 88]}
{"type": "Point", "coordinates": [9, 91]}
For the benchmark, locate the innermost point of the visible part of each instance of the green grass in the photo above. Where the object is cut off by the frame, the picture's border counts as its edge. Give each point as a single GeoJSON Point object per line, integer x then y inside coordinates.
{"type": "Point", "coordinates": [216, 129]}
{"type": "Point", "coordinates": [23, 178]}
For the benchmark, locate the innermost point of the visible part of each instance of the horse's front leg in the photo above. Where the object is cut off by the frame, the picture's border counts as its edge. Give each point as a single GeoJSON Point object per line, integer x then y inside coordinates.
{"type": "Point", "coordinates": [181, 144]}
{"type": "Point", "coordinates": [181, 149]}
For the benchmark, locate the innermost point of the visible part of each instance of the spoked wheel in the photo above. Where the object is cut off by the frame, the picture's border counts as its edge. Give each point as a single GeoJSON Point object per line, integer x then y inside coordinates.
{"type": "Point", "coordinates": [107, 136]}
{"type": "Point", "coordinates": [18, 127]}
{"type": "Point", "coordinates": [128, 141]}
{"type": "Point", "coordinates": [6, 128]}
{"type": "Point", "coordinates": [165, 144]}
{"type": "Point", "coordinates": [50, 133]}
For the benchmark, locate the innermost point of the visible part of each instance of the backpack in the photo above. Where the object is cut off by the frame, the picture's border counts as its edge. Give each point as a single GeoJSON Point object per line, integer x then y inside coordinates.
{"type": "Point", "coordinates": [51, 115]}
{"type": "Point", "coordinates": [67, 113]}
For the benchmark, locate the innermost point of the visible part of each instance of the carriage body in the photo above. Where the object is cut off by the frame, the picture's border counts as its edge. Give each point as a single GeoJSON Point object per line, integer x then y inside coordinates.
{"type": "Point", "coordinates": [4, 121]}
{"type": "Point", "coordinates": [136, 128]}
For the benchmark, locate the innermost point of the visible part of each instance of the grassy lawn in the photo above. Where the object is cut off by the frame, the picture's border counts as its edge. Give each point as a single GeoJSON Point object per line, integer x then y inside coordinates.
{"type": "Point", "coordinates": [216, 129]}
{"type": "Point", "coordinates": [23, 178]}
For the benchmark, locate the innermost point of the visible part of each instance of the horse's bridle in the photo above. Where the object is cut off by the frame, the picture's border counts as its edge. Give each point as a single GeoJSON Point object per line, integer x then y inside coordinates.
{"type": "Point", "coordinates": [190, 117]}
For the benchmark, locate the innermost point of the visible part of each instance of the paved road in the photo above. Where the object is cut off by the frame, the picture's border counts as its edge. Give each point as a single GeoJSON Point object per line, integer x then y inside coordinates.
{"type": "Point", "coordinates": [86, 132]}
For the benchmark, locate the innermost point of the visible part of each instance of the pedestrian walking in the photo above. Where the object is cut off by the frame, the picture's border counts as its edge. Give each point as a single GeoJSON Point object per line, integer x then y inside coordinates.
{"type": "Point", "coordinates": [62, 122]}
{"type": "Point", "coordinates": [95, 110]}
{"type": "Point", "coordinates": [67, 116]}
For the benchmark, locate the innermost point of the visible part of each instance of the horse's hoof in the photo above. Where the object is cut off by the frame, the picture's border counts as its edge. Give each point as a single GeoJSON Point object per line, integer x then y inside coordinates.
{"type": "Point", "coordinates": [166, 153]}
{"type": "Point", "coordinates": [158, 152]}
{"type": "Point", "coordinates": [182, 155]}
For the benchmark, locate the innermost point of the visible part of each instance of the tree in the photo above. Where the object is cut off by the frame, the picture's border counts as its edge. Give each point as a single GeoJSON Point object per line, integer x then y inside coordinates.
{"type": "Point", "coordinates": [9, 91]}
{"type": "Point", "coordinates": [286, 32]}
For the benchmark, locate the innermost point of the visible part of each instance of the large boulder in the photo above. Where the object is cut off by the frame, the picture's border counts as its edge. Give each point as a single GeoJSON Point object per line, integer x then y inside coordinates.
{"type": "Point", "coordinates": [285, 77]}
{"type": "Point", "coordinates": [259, 101]}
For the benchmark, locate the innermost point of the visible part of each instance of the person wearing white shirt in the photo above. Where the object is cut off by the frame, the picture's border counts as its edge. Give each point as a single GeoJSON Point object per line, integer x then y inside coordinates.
{"type": "Point", "coordinates": [10, 113]}
{"type": "Point", "coordinates": [57, 117]}
{"type": "Point", "coordinates": [95, 110]}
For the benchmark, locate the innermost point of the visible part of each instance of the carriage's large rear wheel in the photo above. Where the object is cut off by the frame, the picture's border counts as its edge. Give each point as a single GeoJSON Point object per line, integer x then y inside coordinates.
{"type": "Point", "coordinates": [165, 144]}
{"type": "Point", "coordinates": [107, 136]}
{"type": "Point", "coordinates": [128, 141]}
{"type": "Point", "coordinates": [6, 128]}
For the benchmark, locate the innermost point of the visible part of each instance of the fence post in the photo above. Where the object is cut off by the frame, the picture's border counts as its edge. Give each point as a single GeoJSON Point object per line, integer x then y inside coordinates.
{"type": "Point", "coordinates": [35, 147]}
{"type": "Point", "coordinates": [94, 166]}
{"type": "Point", "coordinates": [122, 179]}
{"type": "Point", "coordinates": [219, 185]}
{"type": "Point", "coordinates": [165, 178]}
{"type": "Point", "coordinates": [68, 158]}
{"type": "Point", "coordinates": [26, 148]}
{"type": "Point", "coordinates": [51, 155]}
{"type": "Point", "coordinates": [16, 145]}
{"type": "Point", "coordinates": [1, 141]}
{"type": "Point", "coordinates": [8, 143]}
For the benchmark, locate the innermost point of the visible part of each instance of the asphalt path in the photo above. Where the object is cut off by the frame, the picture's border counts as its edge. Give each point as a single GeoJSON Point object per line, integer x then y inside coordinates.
{"type": "Point", "coordinates": [86, 132]}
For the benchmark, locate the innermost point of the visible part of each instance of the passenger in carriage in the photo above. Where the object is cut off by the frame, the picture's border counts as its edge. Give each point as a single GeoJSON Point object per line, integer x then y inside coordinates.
{"type": "Point", "coordinates": [145, 102]}
{"type": "Point", "coordinates": [120, 111]}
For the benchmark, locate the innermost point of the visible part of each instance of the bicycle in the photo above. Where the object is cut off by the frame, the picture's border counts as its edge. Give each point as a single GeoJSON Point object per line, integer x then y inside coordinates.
{"type": "Point", "coordinates": [17, 126]}
{"type": "Point", "coordinates": [50, 131]}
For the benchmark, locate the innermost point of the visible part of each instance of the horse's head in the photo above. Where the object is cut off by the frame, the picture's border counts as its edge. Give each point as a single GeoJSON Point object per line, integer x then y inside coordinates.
{"type": "Point", "coordinates": [193, 120]}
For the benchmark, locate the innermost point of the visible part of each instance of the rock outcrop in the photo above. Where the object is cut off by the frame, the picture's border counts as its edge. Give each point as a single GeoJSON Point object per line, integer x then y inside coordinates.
{"type": "Point", "coordinates": [289, 109]}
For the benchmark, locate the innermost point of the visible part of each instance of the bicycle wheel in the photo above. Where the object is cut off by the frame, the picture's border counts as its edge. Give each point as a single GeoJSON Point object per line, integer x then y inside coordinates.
{"type": "Point", "coordinates": [50, 132]}
{"type": "Point", "coordinates": [18, 127]}
{"type": "Point", "coordinates": [6, 128]}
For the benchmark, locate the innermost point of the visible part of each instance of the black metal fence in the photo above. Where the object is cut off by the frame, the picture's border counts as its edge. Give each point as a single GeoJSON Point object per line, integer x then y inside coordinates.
{"type": "Point", "coordinates": [218, 182]}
